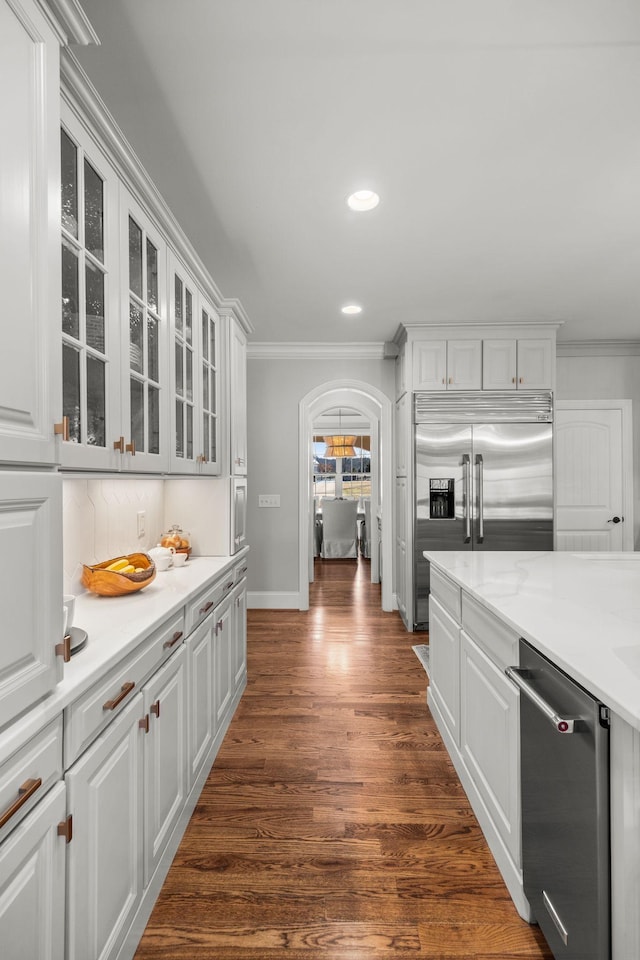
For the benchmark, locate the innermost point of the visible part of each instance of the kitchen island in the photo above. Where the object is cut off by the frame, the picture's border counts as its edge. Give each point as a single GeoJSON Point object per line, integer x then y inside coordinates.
{"type": "Point", "coordinates": [582, 611]}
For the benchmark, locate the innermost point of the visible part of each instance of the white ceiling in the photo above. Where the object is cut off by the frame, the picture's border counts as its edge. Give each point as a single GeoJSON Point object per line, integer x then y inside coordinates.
{"type": "Point", "coordinates": [502, 135]}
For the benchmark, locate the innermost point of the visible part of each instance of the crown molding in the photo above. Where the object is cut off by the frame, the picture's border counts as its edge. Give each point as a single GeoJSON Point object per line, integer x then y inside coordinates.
{"type": "Point", "coordinates": [315, 351]}
{"type": "Point", "coordinates": [598, 348]}
{"type": "Point", "coordinates": [84, 100]}
{"type": "Point", "coordinates": [69, 21]}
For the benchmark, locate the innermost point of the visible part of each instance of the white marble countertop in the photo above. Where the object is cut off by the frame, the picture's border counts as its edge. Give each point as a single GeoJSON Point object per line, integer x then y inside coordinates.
{"type": "Point", "coordinates": [115, 626]}
{"type": "Point", "coordinates": [582, 610]}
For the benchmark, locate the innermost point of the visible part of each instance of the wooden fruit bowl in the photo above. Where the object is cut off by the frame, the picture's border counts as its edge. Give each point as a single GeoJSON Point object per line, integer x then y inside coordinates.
{"type": "Point", "coordinates": [111, 583]}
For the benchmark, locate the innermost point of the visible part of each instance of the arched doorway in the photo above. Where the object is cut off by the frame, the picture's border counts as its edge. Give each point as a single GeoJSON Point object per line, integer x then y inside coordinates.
{"type": "Point", "coordinates": [376, 407]}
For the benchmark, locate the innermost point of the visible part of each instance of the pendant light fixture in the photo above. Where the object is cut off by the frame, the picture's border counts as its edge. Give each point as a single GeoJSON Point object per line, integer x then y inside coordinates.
{"type": "Point", "coordinates": [340, 446]}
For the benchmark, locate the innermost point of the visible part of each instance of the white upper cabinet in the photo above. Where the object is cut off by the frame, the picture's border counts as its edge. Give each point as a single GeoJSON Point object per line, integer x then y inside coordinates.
{"type": "Point", "coordinates": [210, 446]}
{"type": "Point", "coordinates": [143, 440]}
{"type": "Point", "coordinates": [447, 365]}
{"type": "Point", "coordinates": [238, 397]}
{"type": "Point", "coordinates": [517, 364]}
{"type": "Point", "coordinates": [183, 314]}
{"type": "Point", "coordinates": [91, 401]}
{"type": "Point", "coordinates": [30, 380]}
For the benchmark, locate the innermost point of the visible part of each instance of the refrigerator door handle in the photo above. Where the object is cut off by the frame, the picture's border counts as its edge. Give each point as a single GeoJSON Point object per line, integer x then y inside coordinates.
{"type": "Point", "coordinates": [466, 472]}
{"type": "Point", "coordinates": [480, 466]}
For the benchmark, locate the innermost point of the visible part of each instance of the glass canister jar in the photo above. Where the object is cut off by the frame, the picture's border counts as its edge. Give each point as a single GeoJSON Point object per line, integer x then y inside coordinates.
{"type": "Point", "coordinates": [177, 538]}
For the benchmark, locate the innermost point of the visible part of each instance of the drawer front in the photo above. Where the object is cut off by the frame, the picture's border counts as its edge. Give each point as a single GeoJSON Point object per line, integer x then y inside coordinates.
{"type": "Point", "coordinates": [498, 641]}
{"type": "Point", "coordinates": [92, 712]}
{"type": "Point", "coordinates": [446, 592]}
{"type": "Point", "coordinates": [27, 775]}
{"type": "Point", "coordinates": [240, 570]}
{"type": "Point", "coordinates": [207, 600]}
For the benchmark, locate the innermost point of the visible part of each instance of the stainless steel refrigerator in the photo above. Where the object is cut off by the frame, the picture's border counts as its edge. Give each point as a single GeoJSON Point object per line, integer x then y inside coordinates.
{"type": "Point", "coordinates": [483, 477]}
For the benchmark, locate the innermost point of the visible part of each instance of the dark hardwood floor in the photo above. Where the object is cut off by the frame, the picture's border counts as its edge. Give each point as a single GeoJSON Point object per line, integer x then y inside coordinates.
{"type": "Point", "coordinates": [332, 824]}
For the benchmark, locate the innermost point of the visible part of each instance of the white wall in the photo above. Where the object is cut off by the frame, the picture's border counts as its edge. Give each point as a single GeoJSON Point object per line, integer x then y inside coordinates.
{"type": "Point", "coordinates": [585, 376]}
{"type": "Point", "coordinates": [275, 387]}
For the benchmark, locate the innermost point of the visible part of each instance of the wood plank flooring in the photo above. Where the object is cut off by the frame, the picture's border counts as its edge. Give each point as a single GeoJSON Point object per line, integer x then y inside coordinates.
{"type": "Point", "coordinates": [332, 824]}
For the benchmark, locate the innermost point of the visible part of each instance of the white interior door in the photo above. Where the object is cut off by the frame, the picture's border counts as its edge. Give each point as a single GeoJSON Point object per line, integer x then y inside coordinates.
{"type": "Point", "coordinates": [594, 475]}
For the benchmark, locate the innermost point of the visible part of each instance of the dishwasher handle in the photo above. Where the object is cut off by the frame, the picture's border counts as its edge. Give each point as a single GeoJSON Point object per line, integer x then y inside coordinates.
{"type": "Point", "coordinates": [519, 678]}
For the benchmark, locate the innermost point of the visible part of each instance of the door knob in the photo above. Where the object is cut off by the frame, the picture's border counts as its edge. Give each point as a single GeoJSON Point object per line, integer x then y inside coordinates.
{"type": "Point", "coordinates": [616, 520]}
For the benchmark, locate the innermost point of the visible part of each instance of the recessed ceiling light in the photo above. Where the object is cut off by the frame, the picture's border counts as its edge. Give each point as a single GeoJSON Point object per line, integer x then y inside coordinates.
{"type": "Point", "coordinates": [351, 309]}
{"type": "Point", "coordinates": [363, 200]}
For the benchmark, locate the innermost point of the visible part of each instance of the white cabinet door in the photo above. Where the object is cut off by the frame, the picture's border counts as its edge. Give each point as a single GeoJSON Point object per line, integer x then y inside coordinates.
{"type": "Point", "coordinates": [430, 365]}
{"type": "Point", "coordinates": [238, 397]}
{"type": "Point", "coordinates": [222, 659]}
{"type": "Point", "coordinates": [238, 515]}
{"type": "Point", "coordinates": [165, 756]}
{"type": "Point", "coordinates": [535, 365]}
{"type": "Point", "coordinates": [105, 857]}
{"type": "Point", "coordinates": [143, 444]}
{"type": "Point", "coordinates": [30, 382]}
{"type": "Point", "coordinates": [444, 666]}
{"type": "Point", "coordinates": [90, 307]}
{"type": "Point", "coordinates": [499, 365]}
{"type": "Point", "coordinates": [30, 588]}
{"type": "Point", "coordinates": [239, 636]}
{"type": "Point", "coordinates": [489, 739]}
{"type": "Point", "coordinates": [183, 315]}
{"type": "Point", "coordinates": [401, 546]}
{"type": "Point", "coordinates": [199, 647]}
{"type": "Point", "coordinates": [401, 434]}
{"type": "Point", "coordinates": [32, 884]}
{"type": "Point", "coordinates": [464, 364]}
{"type": "Point", "coordinates": [210, 431]}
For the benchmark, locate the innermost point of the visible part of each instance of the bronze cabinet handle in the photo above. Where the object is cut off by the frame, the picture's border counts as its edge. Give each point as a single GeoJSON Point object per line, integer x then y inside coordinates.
{"type": "Point", "coordinates": [144, 723]}
{"type": "Point", "coordinates": [206, 607]}
{"type": "Point", "coordinates": [62, 429]}
{"type": "Point", "coordinates": [25, 791]}
{"type": "Point", "coordinates": [125, 690]}
{"type": "Point", "coordinates": [131, 448]}
{"type": "Point", "coordinates": [155, 709]}
{"type": "Point", "coordinates": [119, 444]}
{"type": "Point", "coordinates": [64, 649]}
{"type": "Point", "coordinates": [174, 639]}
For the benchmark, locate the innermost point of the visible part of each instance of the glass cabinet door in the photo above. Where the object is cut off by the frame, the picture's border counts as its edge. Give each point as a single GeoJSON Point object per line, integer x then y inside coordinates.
{"type": "Point", "coordinates": [142, 441]}
{"type": "Point", "coordinates": [210, 441]}
{"type": "Point", "coordinates": [89, 270]}
{"type": "Point", "coordinates": [184, 305]}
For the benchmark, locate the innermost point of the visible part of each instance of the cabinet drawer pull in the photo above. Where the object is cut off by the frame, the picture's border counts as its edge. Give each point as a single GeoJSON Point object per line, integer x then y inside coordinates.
{"type": "Point", "coordinates": [125, 690]}
{"type": "Point", "coordinates": [64, 649]}
{"type": "Point", "coordinates": [206, 607]}
{"type": "Point", "coordinates": [228, 586]}
{"type": "Point", "coordinates": [174, 639]}
{"type": "Point", "coordinates": [25, 791]}
{"type": "Point", "coordinates": [62, 429]}
{"type": "Point", "coordinates": [155, 709]}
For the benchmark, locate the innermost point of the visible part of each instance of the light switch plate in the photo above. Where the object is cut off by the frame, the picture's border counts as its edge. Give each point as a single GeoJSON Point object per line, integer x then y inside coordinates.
{"type": "Point", "coordinates": [141, 518]}
{"type": "Point", "coordinates": [268, 499]}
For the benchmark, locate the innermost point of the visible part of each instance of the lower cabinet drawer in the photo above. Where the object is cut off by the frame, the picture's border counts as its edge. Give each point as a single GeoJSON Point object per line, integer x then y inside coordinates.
{"type": "Point", "coordinates": [27, 775]}
{"type": "Point", "coordinates": [91, 713]}
{"type": "Point", "coordinates": [446, 592]}
{"type": "Point", "coordinates": [202, 605]}
{"type": "Point", "coordinates": [491, 634]}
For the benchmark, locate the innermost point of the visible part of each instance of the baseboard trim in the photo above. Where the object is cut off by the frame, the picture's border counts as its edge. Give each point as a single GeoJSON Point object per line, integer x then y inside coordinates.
{"type": "Point", "coordinates": [272, 600]}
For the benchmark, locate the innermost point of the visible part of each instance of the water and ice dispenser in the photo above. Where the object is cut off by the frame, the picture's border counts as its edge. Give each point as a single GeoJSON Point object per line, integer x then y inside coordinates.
{"type": "Point", "coordinates": [442, 499]}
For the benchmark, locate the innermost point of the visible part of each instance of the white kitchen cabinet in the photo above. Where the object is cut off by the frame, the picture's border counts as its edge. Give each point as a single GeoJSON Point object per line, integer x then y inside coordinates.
{"type": "Point", "coordinates": [444, 666]}
{"type": "Point", "coordinates": [184, 366]}
{"type": "Point", "coordinates": [237, 397]}
{"type": "Point", "coordinates": [510, 364]}
{"type": "Point", "coordinates": [211, 432]}
{"type": "Point", "coordinates": [447, 365]}
{"type": "Point", "coordinates": [239, 635]}
{"type": "Point", "coordinates": [32, 883]}
{"type": "Point", "coordinates": [105, 857]}
{"type": "Point", "coordinates": [201, 725]}
{"type": "Point", "coordinates": [30, 381]}
{"type": "Point", "coordinates": [30, 567]}
{"type": "Point", "coordinates": [165, 756]}
{"type": "Point", "coordinates": [143, 443]}
{"type": "Point", "coordinates": [91, 323]}
{"type": "Point", "coordinates": [223, 680]}
{"type": "Point", "coordinates": [489, 741]}
{"type": "Point", "coordinates": [401, 435]}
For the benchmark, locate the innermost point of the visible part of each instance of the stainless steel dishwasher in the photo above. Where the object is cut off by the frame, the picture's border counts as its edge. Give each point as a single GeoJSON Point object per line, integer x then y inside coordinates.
{"type": "Point", "coordinates": [564, 756]}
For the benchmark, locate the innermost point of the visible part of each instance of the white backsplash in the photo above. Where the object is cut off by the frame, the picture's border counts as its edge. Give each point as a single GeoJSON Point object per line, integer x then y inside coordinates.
{"type": "Point", "coordinates": [100, 520]}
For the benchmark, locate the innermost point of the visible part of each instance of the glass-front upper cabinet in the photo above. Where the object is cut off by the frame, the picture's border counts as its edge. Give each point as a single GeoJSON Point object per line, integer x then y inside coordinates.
{"type": "Point", "coordinates": [142, 443]}
{"type": "Point", "coordinates": [184, 333]}
{"type": "Point", "coordinates": [210, 451]}
{"type": "Point", "coordinates": [90, 330]}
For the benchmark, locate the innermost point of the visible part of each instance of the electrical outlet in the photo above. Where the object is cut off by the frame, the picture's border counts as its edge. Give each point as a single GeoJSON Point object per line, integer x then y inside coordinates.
{"type": "Point", "coordinates": [268, 499]}
{"type": "Point", "coordinates": [141, 518]}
